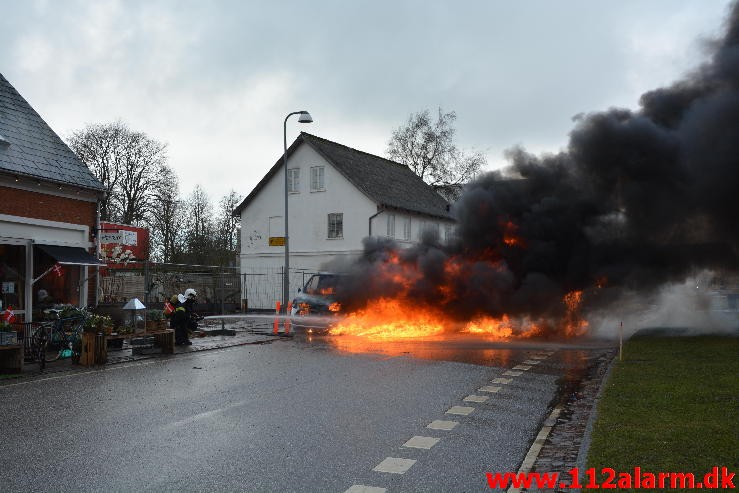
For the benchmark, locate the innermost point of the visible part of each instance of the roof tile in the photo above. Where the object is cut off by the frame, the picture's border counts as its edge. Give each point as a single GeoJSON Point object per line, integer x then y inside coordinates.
{"type": "Point", "coordinates": [35, 150]}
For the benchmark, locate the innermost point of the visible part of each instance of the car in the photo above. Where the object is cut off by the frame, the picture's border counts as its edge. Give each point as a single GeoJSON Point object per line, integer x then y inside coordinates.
{"type": "Point", "coordinates": [318, 296]}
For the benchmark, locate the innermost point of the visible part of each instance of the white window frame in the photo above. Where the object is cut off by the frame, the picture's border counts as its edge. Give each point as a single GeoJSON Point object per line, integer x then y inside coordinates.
{"type": "Point", "coordinates": [318, 179]}
{"type": "Point", "coordinates": [338, 228]}
{"type": "Point", "coordinates": [293, 180]}
{"type": "Point", "coordinates": [406, 228]}
{"type": "Point", "coordinates": [391, 226]}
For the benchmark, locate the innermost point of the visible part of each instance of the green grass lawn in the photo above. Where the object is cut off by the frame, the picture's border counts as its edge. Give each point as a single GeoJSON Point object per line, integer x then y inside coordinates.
{"type": "Point", "coordinates": [671, 405]}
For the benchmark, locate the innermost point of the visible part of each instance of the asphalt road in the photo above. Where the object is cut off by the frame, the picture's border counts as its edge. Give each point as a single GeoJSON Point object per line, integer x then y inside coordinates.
{"type": "Point", "coordinates": [304, 414]}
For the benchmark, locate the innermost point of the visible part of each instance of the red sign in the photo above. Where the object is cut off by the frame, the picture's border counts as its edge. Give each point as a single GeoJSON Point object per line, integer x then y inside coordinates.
{"type": "Point", "coordinates": [123, 245]}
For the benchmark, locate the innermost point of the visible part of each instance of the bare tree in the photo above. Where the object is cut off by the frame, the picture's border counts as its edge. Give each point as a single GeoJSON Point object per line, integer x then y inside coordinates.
{"type": "Point", "coordinates": [101, 147]}
{"type": "Point", "coordinates": [143, 165]}
{"type": "Point", "coordinates": [128, 164]}
{"type": "Point", "coordinates": [427, 147]}
{"type": "Point", "coordinates": [227, 228]}
{"type": "Point", "coordinates": [164, 220]}
{"type": "Point", "coordinates": [197, 219]}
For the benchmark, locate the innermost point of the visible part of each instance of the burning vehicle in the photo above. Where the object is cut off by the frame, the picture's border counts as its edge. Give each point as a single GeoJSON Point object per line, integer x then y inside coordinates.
{"type": "Point", "coordinates": [318, 296]}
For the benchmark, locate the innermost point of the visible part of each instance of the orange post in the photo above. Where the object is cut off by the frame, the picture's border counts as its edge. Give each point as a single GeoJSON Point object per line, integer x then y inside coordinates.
{"type": "Point", "coordinates": [287, 317]}
{"type": "Point", "coordinates": [276, 326]}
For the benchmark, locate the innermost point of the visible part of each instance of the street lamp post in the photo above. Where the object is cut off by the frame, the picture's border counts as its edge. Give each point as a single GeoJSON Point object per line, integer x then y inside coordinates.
{"type": "Point", "coordinates": [304, 118]}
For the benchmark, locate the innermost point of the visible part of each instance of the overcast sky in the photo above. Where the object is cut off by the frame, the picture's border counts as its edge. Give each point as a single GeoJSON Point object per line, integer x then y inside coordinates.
{"type": "Point", "coordinates": [215, 79]}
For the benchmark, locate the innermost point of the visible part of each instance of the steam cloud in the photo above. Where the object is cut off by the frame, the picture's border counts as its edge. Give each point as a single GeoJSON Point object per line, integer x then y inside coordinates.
{"type": "Point", "coordinates": [639, 198]}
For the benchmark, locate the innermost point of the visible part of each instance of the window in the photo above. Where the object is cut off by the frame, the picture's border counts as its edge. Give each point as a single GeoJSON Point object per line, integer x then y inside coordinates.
{"type": "Point", "coordinates": [448, 233]}
{"type": "Point", "coordinates": [293, 180]}
{"type": "Point", "coordinates": [317, 179]}
{"type": "Point", "coordinates": [12, 272]}
{"type": "Point", "coordinates": [391, 226]}
{"type": "Point", "coordinates": [336, 225]}
{"type": "Point", "coordinates": [406, 228]}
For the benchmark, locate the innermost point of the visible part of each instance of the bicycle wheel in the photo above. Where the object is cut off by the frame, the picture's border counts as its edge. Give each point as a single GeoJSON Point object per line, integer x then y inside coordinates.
{"type": "Point", "coordinates": [56, 344]}
{"type": "Point", "coordinates": [39, 341]}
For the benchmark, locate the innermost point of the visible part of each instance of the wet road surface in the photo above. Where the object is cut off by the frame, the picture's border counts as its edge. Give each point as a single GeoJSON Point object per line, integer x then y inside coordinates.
{"type": "Point", "coordinates": [303, 413]}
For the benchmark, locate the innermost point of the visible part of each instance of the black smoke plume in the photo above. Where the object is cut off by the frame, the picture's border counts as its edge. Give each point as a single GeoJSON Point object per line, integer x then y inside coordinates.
{"type": "Point", "coordinates": [638, 199]}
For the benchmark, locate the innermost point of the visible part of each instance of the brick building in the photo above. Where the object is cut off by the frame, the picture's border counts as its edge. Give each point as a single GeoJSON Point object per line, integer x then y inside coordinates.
{"type": "Point", "coordinates": [48, 214]}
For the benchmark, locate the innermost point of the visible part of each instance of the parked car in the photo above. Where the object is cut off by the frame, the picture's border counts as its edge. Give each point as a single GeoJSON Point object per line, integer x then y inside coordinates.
{"type": "Point", "coordinates": [318, 296]}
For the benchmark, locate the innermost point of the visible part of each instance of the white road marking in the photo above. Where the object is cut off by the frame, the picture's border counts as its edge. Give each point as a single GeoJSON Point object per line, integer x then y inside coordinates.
{"type": "Point", "coordinates": [503, 381]}
{"type": "Point", "coordinates": [360, 488]}
{"type": "Point", "coordinates": [461, 410]}
{"type": "Point", "coordinates": [421, 442]}
{"type": "Point", "coordinates": [440, 424]}
{"type": "Point", "coordinates": [476, 398]}
{"type": "Point", "coordinates": [489, 388]}
{"type": "Point", "coordinates": [512, 373]}
{"type": "Point", "coordinates": [394, 465]}
{"type": "Point", "coordinates": [539, 356]}
{"type": "Point", "coordinates": [532, 362]}
{"type": "Point", "coordinates": [522, 367]}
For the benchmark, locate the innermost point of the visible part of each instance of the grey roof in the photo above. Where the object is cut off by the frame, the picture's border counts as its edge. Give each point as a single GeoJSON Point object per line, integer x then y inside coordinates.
{"type": "Point", "coordinates": [33, 149]}
{"type": "Point", "coordinates": [387, 183]}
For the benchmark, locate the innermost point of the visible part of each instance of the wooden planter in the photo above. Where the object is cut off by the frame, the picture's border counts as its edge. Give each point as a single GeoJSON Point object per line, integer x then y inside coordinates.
{"type": "Point", "coordinates": [93, 349]}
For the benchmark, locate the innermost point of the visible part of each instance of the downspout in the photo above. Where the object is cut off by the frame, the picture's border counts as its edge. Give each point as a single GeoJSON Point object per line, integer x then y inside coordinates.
{"type": "Point", "coordinates": [380, 211]}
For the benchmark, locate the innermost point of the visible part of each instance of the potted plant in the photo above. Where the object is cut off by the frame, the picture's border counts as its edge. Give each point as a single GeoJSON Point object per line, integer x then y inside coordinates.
{"type": "Point", "coordinates": [155, 320]}
{"type": "Point", "coordinates": [125, 329]}
{"type": "Point", "coordinates": [98, 324]}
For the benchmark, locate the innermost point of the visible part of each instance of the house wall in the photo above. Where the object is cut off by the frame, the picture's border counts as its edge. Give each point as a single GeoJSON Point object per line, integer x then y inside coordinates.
{"type": "Point", "coordinates": [310, 248]}
{"type": "Point", "coordinates": [26, 203]}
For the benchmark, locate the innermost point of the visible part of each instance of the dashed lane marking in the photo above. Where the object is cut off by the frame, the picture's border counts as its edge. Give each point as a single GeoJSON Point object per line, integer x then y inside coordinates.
{"type": "Point", "coordinates": [532, 362]}
{"type": "Point", "coordinates": [460, 410]}
{"type": "Point", "coordinates": [489, 388]}
{"type": "Point", "coordinates": [539, 356]}
{"type": "Point", "coordinates": [421, 442]}
{"type": "Point", "coordinates": [503, 381]}
{"type": "Point", "coordinates": [394, 465]}
{"type": "Point", "coordinates": [522, 367]}
{"type": "Point", "coordinates": [476, 398]}
{"type": "Point", "coordinates": [512, 373]}
{"type": "Point", "coordinates": [440, 424]}
{"type": "Point", "coordinates": [360, 488]}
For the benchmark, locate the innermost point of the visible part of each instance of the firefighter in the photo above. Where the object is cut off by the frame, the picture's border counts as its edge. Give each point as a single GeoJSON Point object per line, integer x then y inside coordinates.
{"type": "Point", "coordinates": [191, 299]}
{"type": "Point", "coordinates": [179, 322]}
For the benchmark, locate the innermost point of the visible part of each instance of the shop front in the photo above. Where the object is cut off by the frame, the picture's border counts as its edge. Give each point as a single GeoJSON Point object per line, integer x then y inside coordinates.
{"type": "Point", "coordinates": [43, 264]}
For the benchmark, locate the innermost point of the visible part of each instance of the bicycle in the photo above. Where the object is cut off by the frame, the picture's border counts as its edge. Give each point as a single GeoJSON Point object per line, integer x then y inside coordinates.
{"type": "Point", "coordinates": [56, 339]}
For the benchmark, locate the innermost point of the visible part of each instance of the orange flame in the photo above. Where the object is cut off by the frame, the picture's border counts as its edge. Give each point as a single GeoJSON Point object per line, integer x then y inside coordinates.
{"type": "Point", "coordinates": [399, 315]}
{"type": "Point", "coordinates": [573, 323]}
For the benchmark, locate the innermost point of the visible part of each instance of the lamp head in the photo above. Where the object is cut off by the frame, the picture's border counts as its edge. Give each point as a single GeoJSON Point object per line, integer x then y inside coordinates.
{"type": "Point", "coordinates": [305, 117]}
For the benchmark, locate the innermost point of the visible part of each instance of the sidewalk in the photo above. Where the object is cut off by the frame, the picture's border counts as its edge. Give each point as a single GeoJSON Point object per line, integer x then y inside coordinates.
{"type": "Point", "coordinates": [245, 332]}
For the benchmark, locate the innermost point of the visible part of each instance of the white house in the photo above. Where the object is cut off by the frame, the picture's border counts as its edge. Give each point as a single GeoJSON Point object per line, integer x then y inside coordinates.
{"type": "Point", "coordinates": [337, 196]}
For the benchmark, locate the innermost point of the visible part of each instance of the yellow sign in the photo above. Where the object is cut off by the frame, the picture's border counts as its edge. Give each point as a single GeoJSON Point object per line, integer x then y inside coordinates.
{"type": "Point", "coordinates": [276, 241]}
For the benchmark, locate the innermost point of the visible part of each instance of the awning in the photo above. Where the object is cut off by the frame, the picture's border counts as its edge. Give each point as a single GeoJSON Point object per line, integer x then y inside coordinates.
{"type": "Point", "coordinates": [70, 255]}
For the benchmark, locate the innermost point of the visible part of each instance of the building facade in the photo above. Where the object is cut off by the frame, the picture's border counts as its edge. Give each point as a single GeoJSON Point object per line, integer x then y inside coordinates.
{"type": "Point", "coordinates": [48, 214]}
{"type": "Point", "coordinates": [337, 196]}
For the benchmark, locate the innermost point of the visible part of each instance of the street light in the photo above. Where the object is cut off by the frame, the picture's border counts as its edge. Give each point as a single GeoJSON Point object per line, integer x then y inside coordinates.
{"type": "Point", "coordinates": [304, 118]}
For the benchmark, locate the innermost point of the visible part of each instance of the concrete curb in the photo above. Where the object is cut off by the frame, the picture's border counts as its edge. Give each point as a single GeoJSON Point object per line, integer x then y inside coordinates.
{"type": "Point", "coordinates": [582, 454]}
